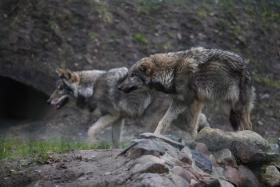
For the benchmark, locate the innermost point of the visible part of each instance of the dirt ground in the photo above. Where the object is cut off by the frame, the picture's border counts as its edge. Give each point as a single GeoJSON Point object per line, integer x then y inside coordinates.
{"type": "Point", "coordinates": [80, 168]}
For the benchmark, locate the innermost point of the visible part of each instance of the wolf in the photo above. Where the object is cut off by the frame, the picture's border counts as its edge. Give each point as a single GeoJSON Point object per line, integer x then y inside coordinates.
{"type": "Point", "coordinates": [192, 78]}
{"type": "Point", "coordinates": [98, 89]}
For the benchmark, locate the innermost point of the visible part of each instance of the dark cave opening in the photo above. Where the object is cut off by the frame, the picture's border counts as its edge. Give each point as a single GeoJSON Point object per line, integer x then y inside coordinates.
{"type": "Point", "coordinates": [20, 102]}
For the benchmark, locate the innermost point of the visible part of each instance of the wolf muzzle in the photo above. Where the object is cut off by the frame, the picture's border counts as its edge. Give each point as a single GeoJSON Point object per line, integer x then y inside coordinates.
{"type": "Point", "coordinates": [130, 84]}
{"type": "Point", "coordinates": [59, 102]}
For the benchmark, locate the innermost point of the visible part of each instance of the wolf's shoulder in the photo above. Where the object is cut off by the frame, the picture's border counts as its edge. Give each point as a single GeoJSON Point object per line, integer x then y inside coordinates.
{"type": "Point", "coordinates": [117, 73]}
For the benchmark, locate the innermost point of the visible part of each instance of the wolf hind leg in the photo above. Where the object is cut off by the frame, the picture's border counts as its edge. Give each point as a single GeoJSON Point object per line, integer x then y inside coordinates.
{"type": "Point", "coordinates": [235, 119]}
{"type": "Point", "coordinates": [248, 108]}
{"type": "Point", "coordinates": [101, 123]}
{"type": "Point", "coordinates": [240, 116]}
{"type": "Point", "coordinates": [116, 132]}
{"type": "Point", "coordinates": [246, 116]}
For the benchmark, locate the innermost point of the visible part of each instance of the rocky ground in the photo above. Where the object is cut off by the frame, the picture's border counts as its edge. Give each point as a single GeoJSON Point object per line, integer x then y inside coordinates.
{"type": "Point", "coordinates": [216, 158]}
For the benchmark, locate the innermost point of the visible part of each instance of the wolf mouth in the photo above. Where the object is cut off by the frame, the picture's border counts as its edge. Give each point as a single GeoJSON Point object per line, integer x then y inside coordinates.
{"type": "Point", "coordinates": [129, 89]}
{"type": "Point", "coordinates": [58, 103]}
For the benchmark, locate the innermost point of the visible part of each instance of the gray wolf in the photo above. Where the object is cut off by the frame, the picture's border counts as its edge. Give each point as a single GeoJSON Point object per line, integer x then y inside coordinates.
{"type": "Point", "coordinates": [193, 77]}
{"type": "Point", "coordinates": [98, 89]}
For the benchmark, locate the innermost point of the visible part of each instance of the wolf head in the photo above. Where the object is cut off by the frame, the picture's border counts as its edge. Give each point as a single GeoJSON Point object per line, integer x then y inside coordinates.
{"type": "Point", "coordinates": [156, 71]}
{"type": "Point", "coordinates": [66, 87]}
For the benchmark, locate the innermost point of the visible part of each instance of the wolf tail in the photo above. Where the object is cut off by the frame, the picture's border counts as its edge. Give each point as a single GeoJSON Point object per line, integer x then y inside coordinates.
{"type": "Point", "coordinates": [240, 112]}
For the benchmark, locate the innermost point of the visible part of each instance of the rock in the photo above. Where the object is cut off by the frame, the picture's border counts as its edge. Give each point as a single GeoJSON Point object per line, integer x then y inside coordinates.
{"type": "Point", "coordinates": [179, 181]}
{"type": "Point", "coordinates": [213, 160]}
{"type": "Point", "coordinates": [264, 96]}
{"type": "Point", "coordinates": [201, 161]}
{"type": "Point", "coordinates": [185, 174]}
{"type": "Point", "coordinates": [164, 138]}
{"type": "Point", "coordinates": [146, 147]}
{"type": "Point", "coordinates": [202, 148]}
{"type": "Point", "coordinates": [61, 166]}
{"type": "Point", "coordinates": [152, 180]}
{"type": "Point", "coordinates": [149, 164]}
{"type": "Point", "coordinates": [216, 139]}
{"type": "Point", "coordinates": [210, 182]}
{"type": "Point", "coordinates": [247, 146]}
{"type": "Point", "coordinates": [185, 155]}
{"type": "Point", "coordinates": [225, 157]}
{"type": "Point", "coordinates": [194, 177]}
{"type": "Point", "coordinates": [248, 178]}
{"type": "Point", "coordinates": [274, 148]}
{"type": "Point", "coordinates": [232, 175]}
{"type": "Point", "coordinates": [217, 172]}
{"type": "Point", "coordinates": [271, 176]}
{"type": "Point", "coordinates": [250, 154]}
{"type": "Point", "coordinates": [225, 183]}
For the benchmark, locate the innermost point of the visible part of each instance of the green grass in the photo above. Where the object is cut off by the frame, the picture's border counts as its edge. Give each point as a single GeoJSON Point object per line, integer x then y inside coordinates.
{"type": "Point", "coordinates": [103, 10]}
{"type": "Point", "coordinates": [92, 35]}
{"type": "Point", "coordinates": [266, 81]}
{"type": "Point", "coordinates": [38, 150]}
{"type": "Point", "coordinates": [139, 38]}
{"type": "Point", "coordinates": [202, 12]}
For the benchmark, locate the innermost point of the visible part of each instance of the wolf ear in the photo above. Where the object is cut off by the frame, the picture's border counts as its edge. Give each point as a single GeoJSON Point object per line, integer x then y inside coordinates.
{"type": "Point", "coordinates": [72, 77]}
{"type": "Point", "coordinates": [64, 74]}
{"type": "Point", "coordinates": [68, 75]}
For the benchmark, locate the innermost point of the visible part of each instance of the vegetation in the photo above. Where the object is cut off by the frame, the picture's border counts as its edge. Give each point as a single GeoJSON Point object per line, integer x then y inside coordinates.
{"type": "Point", "coordinates": [104, 12]}
{"type": "Point", "coordinates": [139, 38]}
{"type": "Point", "coordinates": [266, 81]}
{"type": "Point", "coordinates": [39, 150]}
{"type": "Point", "coordinates": [92, 35]}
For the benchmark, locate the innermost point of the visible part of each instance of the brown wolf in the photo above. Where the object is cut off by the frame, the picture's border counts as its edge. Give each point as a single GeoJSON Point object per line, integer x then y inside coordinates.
{"type": "Point", "coordinates": [193, 77]}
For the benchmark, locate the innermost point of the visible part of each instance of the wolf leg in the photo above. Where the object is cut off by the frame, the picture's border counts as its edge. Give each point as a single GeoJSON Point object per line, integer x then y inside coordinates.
{"type": "Point", "coordinates": [116, 132]}
{"type": "Point", "coordinates": [240, 116]}
{"type": "Point", "coordinates": [172, 113]}
{"type": "Point", "coordinates": [246, 119]}
{"type": "Point", "coordinates": [196, 108]}
{"type": "Point", "coordinates": [235, 119]}
{"type": "Point", "coordinates": [101, 123]}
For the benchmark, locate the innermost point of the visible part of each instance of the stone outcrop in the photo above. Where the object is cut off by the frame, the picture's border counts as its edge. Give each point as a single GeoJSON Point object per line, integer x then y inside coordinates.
{"type": "Point", "coordinates": [156, 161]}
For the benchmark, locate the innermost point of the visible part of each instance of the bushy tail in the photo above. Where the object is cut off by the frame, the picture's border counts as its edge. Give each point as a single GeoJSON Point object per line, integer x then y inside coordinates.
{"type": "Point", "coordinates": [240, 112]}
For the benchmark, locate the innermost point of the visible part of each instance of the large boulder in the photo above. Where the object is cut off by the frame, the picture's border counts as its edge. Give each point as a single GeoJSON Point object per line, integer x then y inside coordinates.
{"type": "Point", "coordinates": [247, 146]}
{"type": "Point", "coordinates": [248, 178]}
{"type": "Point", "coordinates": [217, 139]}
{"type": "Point", "coordinates": [271, 176]}
{"type": "Point", "coordinates": [149, 164]}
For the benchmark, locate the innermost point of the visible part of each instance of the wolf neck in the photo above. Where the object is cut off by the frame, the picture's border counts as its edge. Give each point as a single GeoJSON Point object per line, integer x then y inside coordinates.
{"type": "Point", "coordinates": [170, 65]}
{"type": "Point", "coordinates": [87, 81]}
{"type": "Point", "coordinates": [90, 75]}
{"type": "Point", "coordinates": [164, 79]}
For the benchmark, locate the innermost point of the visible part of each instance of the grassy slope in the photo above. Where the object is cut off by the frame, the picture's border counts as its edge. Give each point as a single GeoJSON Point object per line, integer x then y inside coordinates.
{"type": "Point", "coordinates": [39, 150]}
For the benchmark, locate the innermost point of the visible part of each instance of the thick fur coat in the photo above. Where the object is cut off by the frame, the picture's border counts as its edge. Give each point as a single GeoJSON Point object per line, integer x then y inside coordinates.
{"type": "Point", "coordinates": [193, 77]}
